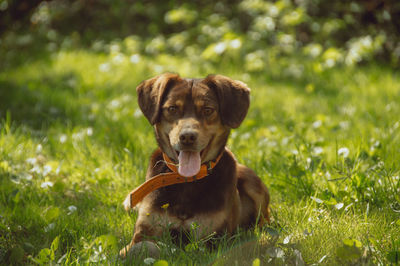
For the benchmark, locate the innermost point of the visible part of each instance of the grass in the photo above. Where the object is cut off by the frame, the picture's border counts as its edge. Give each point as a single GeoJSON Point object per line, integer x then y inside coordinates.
{"type": "Point", "coordinates": [73, 143]}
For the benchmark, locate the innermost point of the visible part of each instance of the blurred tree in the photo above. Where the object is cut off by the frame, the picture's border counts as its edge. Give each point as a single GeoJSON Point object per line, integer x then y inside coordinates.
{"type": "Point", "coordinates": [331, 32]}
{"type": "Point", "coordinates": [15, 14]}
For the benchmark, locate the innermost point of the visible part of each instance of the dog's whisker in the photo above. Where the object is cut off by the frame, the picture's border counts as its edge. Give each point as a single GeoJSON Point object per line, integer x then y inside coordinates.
{"type": "Point", "coordinates": [160, 161]}
{"type": "Point", "coordinates": [165, 162]}
{"type": "Point", "coordinates": [174, 164]}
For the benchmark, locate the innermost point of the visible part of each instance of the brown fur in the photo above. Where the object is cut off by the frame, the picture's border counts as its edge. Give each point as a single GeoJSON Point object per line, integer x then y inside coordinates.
{"type": "Point", "coordinates": [205, 110]}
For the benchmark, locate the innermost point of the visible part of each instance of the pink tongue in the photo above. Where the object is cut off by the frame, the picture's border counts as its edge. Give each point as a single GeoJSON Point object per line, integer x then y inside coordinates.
{"type": "Point", "coordinates": [189, 163]}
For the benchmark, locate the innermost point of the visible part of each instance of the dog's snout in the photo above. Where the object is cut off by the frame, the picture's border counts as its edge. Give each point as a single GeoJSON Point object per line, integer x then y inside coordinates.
{"type": "Point", "coordinates": [188, 137]}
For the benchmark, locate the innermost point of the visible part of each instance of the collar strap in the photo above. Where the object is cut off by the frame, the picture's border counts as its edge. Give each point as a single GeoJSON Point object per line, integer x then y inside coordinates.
{"type": "Point", "coordinates": [170, 178]}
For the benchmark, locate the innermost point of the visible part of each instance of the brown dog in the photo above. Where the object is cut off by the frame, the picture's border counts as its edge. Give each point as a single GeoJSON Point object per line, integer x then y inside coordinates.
{"type": "Point", "coordinates": [192, 119]}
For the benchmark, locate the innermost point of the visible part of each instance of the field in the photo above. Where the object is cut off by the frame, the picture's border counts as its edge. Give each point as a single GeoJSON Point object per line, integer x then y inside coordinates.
{"type": "Point", "coordinates": [73, 143]}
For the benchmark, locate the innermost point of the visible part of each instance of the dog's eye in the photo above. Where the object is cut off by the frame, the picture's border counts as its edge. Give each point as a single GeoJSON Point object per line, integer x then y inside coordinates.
{"type": "Point", "coordinates": [207, 111]}
{"type": "Point", "coordinates": [172, 109]}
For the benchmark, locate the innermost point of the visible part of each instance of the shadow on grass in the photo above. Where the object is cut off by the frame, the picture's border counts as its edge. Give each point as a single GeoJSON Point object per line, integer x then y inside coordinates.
{"type": "Point", "coordinates": [14, 54]}
{"type": "Point", "coordinates": [34, 107]}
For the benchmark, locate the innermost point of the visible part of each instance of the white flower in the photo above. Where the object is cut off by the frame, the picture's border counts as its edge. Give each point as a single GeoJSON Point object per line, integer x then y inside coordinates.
{"type": "Point", "coordinates": [317, 124]}
{"type": "Point", "coordinates": [58, 169]}
{"type": "Point", "coordinates": [344, 124]}
{"type": "Point", "coordinates": [46, 184]}
{"type": "Point", "coordinates": [39, 148]}
{"type": "Point", "coordinates": [318, 150]}
{"type": "Point", "coordinates": [104, 67]}
{"type": "Point", "coordinates": [72, 209]}
{"type": "Point", "coordinates": [285, 141]}
{"type": "Point", "coordinates": [339, 205]}
{"type": "Point", "coordinates": [315, 50]}
{"type": "Point", "coordinates": [26, 176]}
{"type": "Point", "coordinates": [135, 59]}
{"type": "Point", "coordinates": [114, 104]}
{"type": "Point", "coordinates": [49, 227]}
{"type": "Point", "coordinates": [46, 170]}
{"type": "Point", "coordinates": [265, 23]}
{"type": "Point", "coordinates": [137, 113]}
{"type": "Point", "coordinates": [36, 169]}
{"type": "Point", "coordinates": [330, 62]}
{"type": "Point", "coordinates": [220, 48]}
{"type": "Point", "coordinates": [328, 175]}
{"type": "Point", "coordinates": [89, 131]}
{"type": "Point", "coordinates": [63, 138]}
{"type": "Point", "coordinates": [273, 11]}
{"type": "Point", "coordinates": [158, 68]}
{"type": "Point", "coordinates": [77, 136]}
{"type": "Point", "coordinates": [235, 44]}
{"type": "Point", "coordinates": [295, 152]}
{"type": "Point", "coordinates": [149, 261]}
{"type": "Point", "coordinates": [31, 160]}
{"type": "Point", "coordinates": [118, 59]}
{"type": "Point", "coordinates": [343, 152]}
{"type": "Point", "coordinates": [287, 239]}
{"type": "Point", "coordinates": [115, 48]}
{"type": "Point", "coordinates": [245, 136]}
{"type": "Point", "coordinates": [317, 200]}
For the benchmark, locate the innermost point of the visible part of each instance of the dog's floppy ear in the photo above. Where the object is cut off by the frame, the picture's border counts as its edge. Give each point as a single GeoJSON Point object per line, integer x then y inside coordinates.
{"type": "Point", "coordinates": [151, 92]}
{"type": "Point", "coordinates": [233, 97]}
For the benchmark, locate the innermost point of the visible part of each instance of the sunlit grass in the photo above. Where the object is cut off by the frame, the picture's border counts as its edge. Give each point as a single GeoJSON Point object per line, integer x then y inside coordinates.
{"type": "Point", "coordinates": [72, 135]}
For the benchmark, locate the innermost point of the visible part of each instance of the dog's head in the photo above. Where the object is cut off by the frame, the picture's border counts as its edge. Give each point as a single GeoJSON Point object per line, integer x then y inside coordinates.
{"type": "Point", "coordinates": [192, 117]}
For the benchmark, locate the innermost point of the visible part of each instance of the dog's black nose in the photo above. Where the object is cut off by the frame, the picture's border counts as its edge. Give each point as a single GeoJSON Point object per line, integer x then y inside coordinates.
{"type": "Point", "coordinates": [188, 137]}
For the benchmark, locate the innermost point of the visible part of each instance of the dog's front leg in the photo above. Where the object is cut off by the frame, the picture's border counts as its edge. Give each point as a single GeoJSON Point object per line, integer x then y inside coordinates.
{"type": "Point", "coordinates": [148, 225]}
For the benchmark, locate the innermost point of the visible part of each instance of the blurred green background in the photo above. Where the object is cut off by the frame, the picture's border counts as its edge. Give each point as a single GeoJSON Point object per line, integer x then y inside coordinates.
{"type": "Point", "coordinates": [260, 34]}
{"type": "Point", "coordinates": [322, 131]}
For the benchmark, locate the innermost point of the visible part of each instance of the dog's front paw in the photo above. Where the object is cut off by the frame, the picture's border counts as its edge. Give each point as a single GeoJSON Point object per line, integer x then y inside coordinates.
{"type": "Point", "coordinates": [123, 252]}
{"type": "Point", "coordinates": [144, 248]}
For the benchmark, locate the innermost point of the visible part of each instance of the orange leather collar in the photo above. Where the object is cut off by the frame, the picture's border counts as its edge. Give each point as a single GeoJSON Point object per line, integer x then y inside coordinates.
{"type": "Point", "coordinates": [170, 178]}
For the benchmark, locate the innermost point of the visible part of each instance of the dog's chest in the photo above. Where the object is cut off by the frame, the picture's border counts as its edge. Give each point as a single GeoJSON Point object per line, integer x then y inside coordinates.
{"type": "Point", "coordinates": [205, 200]}
{"type": "Point", "coordinates": [190, 206]}
{"type": "Point", "coordinates": [186, 200]}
